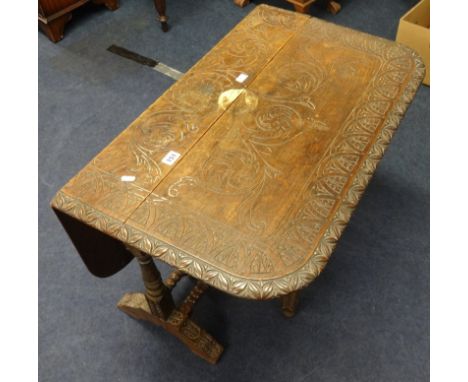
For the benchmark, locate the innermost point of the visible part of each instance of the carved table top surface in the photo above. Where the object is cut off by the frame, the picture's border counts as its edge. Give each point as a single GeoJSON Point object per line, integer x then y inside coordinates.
{"type": "Point", "coordinates": [246, 171]}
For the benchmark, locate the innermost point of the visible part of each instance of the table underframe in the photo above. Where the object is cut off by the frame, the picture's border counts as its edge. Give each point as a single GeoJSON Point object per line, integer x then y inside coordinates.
{"type": "Point", "coordinates": [157, 306]}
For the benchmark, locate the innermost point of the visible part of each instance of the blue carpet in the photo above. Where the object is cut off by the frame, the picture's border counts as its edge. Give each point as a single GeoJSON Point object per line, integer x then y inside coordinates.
{"type": "Point", "coordinates": [366, 318]}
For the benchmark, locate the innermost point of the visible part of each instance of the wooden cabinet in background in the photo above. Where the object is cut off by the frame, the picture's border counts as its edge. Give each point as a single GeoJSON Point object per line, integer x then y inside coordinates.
{"type": "Point", "coordinates": [54, 14]}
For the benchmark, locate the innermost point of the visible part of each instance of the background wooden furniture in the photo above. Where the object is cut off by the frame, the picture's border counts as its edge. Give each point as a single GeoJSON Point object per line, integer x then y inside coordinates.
{"type": "Point", "coordinates": [246, 171]}
{"type": "Point", "coordinates": [54, 14]}
{"type": "Point", "coordinates": [160, 6]}
{"type": "Point", "coordinates": [301, 6]}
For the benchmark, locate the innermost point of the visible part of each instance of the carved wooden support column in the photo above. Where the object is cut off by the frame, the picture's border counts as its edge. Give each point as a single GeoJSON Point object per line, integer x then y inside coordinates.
{"type": "Point", "coordinates": [289, 304]}
{"type": "Point", "coordinates": [157, 307]}
{"type": "Point", "coordinates": [158, 295]}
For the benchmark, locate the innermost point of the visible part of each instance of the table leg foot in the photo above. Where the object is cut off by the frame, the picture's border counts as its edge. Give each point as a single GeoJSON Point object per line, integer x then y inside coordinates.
{"type": "Point", "coordinates": [302, 8]}
{"type": "Point", "coordinates": [160, 6]}
{"type": "Point", "coordinates": [109, 4]}
{"type": "Point", "coordinates": [241, 3]}
{"type": "Point", "coordinates": [54, 29]}
{"type": "Point", "coordinates": [289, 304]}
{"type": "Point", "coordinates": [178, 324]}
{"type": "Point", "coordinates": [333, 7]}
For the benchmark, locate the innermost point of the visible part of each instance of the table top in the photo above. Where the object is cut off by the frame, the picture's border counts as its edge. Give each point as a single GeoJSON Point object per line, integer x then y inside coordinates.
{"type": "Point", "coordinates": [245, 172]}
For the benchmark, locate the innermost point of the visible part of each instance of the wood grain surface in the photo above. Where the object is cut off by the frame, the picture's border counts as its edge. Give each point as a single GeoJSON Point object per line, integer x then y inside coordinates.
{"type": "Point", "coordinates": [270, 168]}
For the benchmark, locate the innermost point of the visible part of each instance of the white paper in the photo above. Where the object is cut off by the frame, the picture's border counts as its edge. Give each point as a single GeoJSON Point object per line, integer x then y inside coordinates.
{"type": "Point", "coordinates": [242, 77]}
{"type": "Point", "coordinates": [170, 158]}
{"type": "Point", "coordinates": [127, 178]}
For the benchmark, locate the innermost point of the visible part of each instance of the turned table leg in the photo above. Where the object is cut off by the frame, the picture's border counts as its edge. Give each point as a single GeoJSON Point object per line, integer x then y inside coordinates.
{"type": "Point", "coordinates": [289, 304]}
{"type": "Point", "coordinates": [161, 8]}
{"type": "Point", "coordinates": [157, 306]}
{"type": "Point", "coordinates": [158, 296]}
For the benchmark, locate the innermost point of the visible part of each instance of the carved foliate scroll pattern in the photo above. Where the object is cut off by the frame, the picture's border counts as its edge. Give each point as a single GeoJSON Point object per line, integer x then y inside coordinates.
{"type": "Point", "coordinates": [189, 107]}
{"type": "Point", "coordinates": [246, 170]}
{"type": "Point", "coordinates": [242, 171]}
{"type": "Point", "coordinates": [178, 324]}
{"type": "Point", "coordinates": [195, 334]}
{"type": "Point", "coordinates": [248, 166]}
{"type": "Point", "coordinates": [367, 121]}
{"type": "Point", "coordinates": [355, 149]}
{"type": "Point", "coordinates": [181, 260]}
{"type": "Point", "coordinates": [197, 235]}
{"type": "Point", "coordinates": [276, 17]}
{"type": "Point", "coordinates": [97, 187]}
{"type": "Point", "coordinates": [331, 175]}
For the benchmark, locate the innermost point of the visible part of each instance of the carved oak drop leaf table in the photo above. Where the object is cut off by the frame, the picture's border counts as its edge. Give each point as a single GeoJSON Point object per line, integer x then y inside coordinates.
{"type": "Point", "coordinates": [245, 172]}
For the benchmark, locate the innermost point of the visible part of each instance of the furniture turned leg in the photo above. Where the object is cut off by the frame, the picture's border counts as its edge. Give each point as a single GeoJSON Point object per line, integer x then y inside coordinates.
{"type": "Point", "coordinates": [54, 29]}
{"type": "Point", "coordinates": [161, 8]}
{"type": "Point", "coordinates": [158, 295]}
{"type": "Point", "coordinates": [174, 278]}
{"type": "Point", "coordinates": [109, 4]}
{"type": "Point", "coordinates": [157, 306]}
{"type": "Point", "coordinates": [333, 7]}
{"type": "Point", "coordinates": [241, 3]}
{"type": "Point", "coordinates": [289, 304]}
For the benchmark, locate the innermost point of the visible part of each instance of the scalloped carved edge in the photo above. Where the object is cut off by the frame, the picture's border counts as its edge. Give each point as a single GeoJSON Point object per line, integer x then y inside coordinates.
{"type": "Point", "coordinates": [235, 285]}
